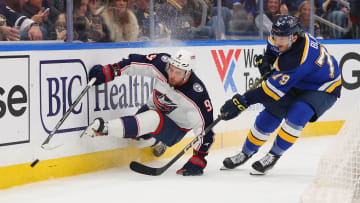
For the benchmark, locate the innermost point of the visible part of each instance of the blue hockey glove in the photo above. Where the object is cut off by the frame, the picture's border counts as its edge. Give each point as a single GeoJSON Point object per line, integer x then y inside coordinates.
{"type": "Point", "coordinates": [262, 62]}
{"type": "Point", "coordinates": [194, 167]}
{"type": "Point", "coordinates": [103, 74]}
{"type": "Point", "coordinates": [233, 107]}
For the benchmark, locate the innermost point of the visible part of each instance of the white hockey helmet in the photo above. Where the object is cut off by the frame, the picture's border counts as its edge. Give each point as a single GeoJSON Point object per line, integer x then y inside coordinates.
{"type": "Point", "coordinates": [184, 60]}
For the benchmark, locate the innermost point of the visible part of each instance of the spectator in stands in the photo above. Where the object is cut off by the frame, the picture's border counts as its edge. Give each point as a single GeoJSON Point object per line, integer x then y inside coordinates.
{"type": "Point", "coordinates": [81, 22]}
{"type": "Point", "coordinates": [57, 4]}
{"type": "Point", "coordinates": [337, 13]}
{"type": "Point", "coordinates": [121, 21]}
{"type": "Point", "coordinates": [210, 29]}
{"type": "Point", "coordinates": [85, 29]}
{"type": "Point", "coordinates": [355, 18]}
{"type": "Point", "coordinates": [292, 5]}
{"type": "Point", "coordinates": [98, 30]}
{"type": "Point", "coordinates": [162, 32]}
{"type": "Point", "coordinates": [54, 11]}
{"type": "Point", "coordinates": [9, 34]}
{"type": "Point", "coordinates": [304, 16]}
{"type": "Point", "coordinates": [33, 9]}
{"type": "Point", "coordinates": [11, 12]}
{"type": "Point", "coordinates": [272, 10]}
{"type": "Point", "coordinates": [60, 27]}
{"type": "Point", "coordinates": [179, 21]}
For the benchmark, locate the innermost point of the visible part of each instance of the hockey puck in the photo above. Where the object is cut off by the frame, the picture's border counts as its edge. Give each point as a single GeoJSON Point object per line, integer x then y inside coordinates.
{"type": "Point", "coordinates": [34, 163]}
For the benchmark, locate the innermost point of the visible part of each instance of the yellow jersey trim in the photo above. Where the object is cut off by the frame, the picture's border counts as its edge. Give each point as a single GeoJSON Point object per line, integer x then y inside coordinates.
{"type": "Point", "coordinates": [254, 140]}
{"type": "Point", "coordinates": [333, 86]}
{"type": "Point", "coordinates": [306, 50]}
{"type": "Point", "coordinates": [287, 137]}
{"type": "Point", "coordinates": [269, 92]}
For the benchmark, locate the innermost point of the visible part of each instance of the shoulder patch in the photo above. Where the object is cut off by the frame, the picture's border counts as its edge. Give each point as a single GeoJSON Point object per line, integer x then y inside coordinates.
{"type": "Point", "coordinates": [165, 58]}
{"type": "Point", "coordinates": [197, 87]}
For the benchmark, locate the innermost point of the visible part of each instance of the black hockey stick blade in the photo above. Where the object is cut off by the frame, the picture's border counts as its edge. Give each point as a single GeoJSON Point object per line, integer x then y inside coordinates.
{"type": "Point", "coordinates": [46, 145]}
{"type": "Point", "coordinates": [141, 168]}
{"type": "Point", "coordinates": [147, 170]}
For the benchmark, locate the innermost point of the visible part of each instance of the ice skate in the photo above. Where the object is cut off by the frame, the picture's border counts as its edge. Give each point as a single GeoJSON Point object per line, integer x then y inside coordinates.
{"type": "Point", "coordinates": [235, 161]}
{"type": "Point", "coordinates": [265, 164]}
{"type": "Point", "coordinates": [96, 128]}
{"type": "Point", "coordinates": [159, 149]}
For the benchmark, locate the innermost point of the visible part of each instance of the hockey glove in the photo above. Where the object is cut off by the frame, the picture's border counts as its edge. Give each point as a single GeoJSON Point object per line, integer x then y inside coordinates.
{"type": "Point", "coordinates": [262, 62]}
{"type": "Point", "coordinates": [233, 107]}
{"type": "Point", "coordinates": [103, 74]}
{"type": "Point", "coordinates": [195, 165]}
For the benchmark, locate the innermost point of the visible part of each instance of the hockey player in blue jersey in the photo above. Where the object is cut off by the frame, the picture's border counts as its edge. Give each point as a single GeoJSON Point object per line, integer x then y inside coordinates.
{"type": "Point", "coordinates": [305, 83]}
{"type": "Point", "coordinates": [179, 103]}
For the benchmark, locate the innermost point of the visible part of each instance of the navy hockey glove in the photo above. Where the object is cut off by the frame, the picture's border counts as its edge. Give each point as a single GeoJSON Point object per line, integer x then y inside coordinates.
{"type": "Point", "coordinates": [103, 74]}
{"type": "Point", "coordinates": [195, 165]}
{"type": "Point", "coordinates": [233, 107]}
{"type": "Point", "coordinates": [262, 62]}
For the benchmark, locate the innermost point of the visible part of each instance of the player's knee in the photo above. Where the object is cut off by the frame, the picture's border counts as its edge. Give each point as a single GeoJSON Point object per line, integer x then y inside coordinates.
{"type": "Point", "coordinates": [266, 122]}
{"type": "Point", "coordinates": [149, 121]}
{"type": "Point", "coordinates": [300, 113]}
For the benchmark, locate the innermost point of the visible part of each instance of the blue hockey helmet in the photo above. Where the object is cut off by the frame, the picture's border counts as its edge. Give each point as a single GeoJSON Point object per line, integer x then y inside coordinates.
{"type": "Point", "coordinates": [286, 25]}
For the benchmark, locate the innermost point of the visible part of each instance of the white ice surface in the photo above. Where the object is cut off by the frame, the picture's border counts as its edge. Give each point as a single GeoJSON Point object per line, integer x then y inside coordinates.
{"type": "Point", "coordinates": [284, 184]}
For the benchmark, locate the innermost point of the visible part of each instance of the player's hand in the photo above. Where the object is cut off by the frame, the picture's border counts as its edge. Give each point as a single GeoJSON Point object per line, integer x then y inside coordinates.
{"type": "Point", "coordinates": [194, 167]}
{"type": "Point", "coordinates": [103, 74]}
{"type": "Point", "coordinates": [233, 107]}
{"type": "Point", "coordinates": [263, 64]}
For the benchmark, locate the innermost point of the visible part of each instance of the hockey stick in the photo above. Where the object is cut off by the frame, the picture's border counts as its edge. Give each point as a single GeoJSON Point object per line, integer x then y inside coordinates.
{"type": "Point", "coordinates": [147, 170]}
{"type": "Point", "coordinates": [45, 144]}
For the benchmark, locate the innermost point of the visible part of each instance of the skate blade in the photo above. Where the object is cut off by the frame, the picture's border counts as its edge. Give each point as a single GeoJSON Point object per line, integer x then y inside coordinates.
{"type": "Point", "coordinates": [256, 173]}
{"type": "Point", "coordinates": [223, 168]}
{"type": "Point", "coordinates": [88, 133]}
{"type": "Point", "coordinates": [50, 147]}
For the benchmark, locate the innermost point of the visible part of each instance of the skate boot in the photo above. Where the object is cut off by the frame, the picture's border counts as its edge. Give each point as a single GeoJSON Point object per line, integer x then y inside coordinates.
{"type": "Point", "coordinates": [96, 128]}
{"type": "Point", "coordinates": [265, 164]}
{"type": "Point", "coordinates": [159, 149]}
{"type": "Point", "coordinates": [235, 161]}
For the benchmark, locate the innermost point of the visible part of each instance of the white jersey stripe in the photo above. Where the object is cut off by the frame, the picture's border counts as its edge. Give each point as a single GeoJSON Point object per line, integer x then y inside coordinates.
{"type": "Point", "coordinates": [258, 134]}
{"type": "Point", "coordinates": [291, 129]}
{"type": "Point", "coordinates": [274, 89]}
{"type": "Point", "coordinates": [328, 84]}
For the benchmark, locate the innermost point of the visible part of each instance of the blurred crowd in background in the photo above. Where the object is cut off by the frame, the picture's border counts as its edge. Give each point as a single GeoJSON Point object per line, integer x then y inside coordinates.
{"type": "Point", "coordinates": [164, 20]}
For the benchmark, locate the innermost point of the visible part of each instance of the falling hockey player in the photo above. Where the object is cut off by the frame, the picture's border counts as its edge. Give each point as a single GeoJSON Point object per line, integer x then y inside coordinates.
{"type": "Point", "coordinates": [305, 83]}
{"type": "Point", "coordinates": [179, 103]}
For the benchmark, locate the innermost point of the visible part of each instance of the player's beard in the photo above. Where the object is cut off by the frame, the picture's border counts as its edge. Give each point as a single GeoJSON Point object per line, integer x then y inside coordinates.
{"type": "Point", "coordinates": [173, 83]}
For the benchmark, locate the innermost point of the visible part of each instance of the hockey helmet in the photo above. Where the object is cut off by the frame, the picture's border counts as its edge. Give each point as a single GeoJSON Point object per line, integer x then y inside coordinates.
{"type": "Point", "coordinates": [183, 59]}
{"type": "Point", "coordinates": [286, 25]}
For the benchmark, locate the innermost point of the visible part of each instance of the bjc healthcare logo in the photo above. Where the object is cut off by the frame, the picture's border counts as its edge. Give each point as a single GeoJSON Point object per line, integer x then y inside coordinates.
{"type": "Point", "coordinates": [61, 81]}
{"type": "Point", "coordinates": [225, 64]}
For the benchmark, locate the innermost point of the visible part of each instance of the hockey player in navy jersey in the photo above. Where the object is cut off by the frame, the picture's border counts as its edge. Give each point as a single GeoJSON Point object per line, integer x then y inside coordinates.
{"type": "Point", "coordinates": [179, 103]}
{"type": "Point", "coordinates": [305, 83]}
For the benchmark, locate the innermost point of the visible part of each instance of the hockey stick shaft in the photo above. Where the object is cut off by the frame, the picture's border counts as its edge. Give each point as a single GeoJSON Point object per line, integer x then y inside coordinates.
{"type": "Point", "coordinates": [143, 169]}
{"type": "Point", "coordinates": [67, 113]}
